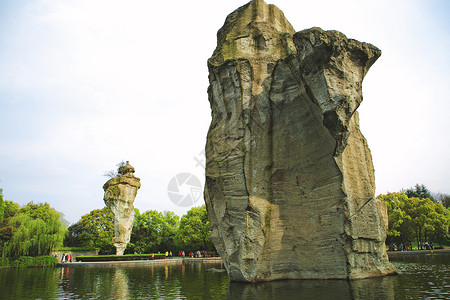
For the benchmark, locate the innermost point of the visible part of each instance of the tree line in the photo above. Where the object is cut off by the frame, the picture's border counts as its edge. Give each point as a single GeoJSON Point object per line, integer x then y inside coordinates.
{"type": "Point", "coordinates": [152, 232]}
{"type": "Point", "coordinates": [416, 216]}
{"type": "Point", "coordinates": [38, 229]}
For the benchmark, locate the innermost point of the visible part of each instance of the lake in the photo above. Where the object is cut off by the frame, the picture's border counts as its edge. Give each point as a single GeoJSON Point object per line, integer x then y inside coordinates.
{"type": "Point", "coordinates": [421, 277]}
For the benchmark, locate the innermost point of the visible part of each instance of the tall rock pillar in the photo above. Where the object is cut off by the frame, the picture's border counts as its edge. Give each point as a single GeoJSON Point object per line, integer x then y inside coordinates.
{"type": "Point", "coordinates": [289, 177]}
{"type": "Point", "coordinates": [120, 193]}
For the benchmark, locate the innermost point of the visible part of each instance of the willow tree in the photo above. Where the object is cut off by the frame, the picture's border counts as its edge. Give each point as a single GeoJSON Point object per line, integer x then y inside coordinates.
{"type": "Point", "coordinates": [37, 230]}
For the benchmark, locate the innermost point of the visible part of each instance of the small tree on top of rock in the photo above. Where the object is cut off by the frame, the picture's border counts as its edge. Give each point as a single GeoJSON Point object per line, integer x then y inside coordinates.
{"type": "Point", "coordinates": [114, 173]}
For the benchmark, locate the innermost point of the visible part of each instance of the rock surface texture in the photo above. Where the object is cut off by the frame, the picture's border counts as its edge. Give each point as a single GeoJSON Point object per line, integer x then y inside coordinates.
{"type": "Point", "coordinates": [289, 176]}
{"type": "Point", "coordinates": [120, 193]}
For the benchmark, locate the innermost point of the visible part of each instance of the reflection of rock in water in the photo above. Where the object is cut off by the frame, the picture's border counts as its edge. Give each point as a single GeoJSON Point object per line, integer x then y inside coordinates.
{"type": "Point", "coordinates": [119, 288]}
{"type": "Point", "coordinates": [374, 288]}
{"type": "Point", "coordinates": [120, 193]}
{"type": "Point", "coordinates": [289, 176]}
{"type": "Point", "coordinates": [214, 270]}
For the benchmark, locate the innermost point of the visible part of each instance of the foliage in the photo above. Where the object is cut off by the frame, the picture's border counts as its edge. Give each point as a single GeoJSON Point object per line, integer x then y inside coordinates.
{"type": "Point", "coordinates": [2, 206]}
{"type": "Point", "coordinates": [93, 230]}
{"type": "Point", "coordinates": [194, 232]}
{"type": "Point", "coordinates": [154, 231]}
{"type": "Point", "coordinates": [419, 191]}
{"type": "Point", "coordinates": [114, 173]}
{"type": "Point", "coordinates": [27, 261]}
{"type": "Point", "coordinates": [37, 229]}
{"type": "Point", "coordinates": [75, 249]}
{"type": "Point", "coordinates": [9, 209]}
{"type": "Point", "coordinates": [443, 198]}
{"type": "Point", "coordinates": [415, 218]}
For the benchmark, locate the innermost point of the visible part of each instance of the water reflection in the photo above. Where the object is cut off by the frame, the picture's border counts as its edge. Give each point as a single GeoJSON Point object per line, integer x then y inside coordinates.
{"type": "Point", "coordinates": [420, 278]}
{"type": "Point", "coordinates": [120, 284]}
{"type": "Point", "coordinates": [21, 283]}
{"type": "Point", "coordinates": [378, 288]}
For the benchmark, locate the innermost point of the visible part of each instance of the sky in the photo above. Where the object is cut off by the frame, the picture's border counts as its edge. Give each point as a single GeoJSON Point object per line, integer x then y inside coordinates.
{"type": "Point", "coordinates": [86, 84]}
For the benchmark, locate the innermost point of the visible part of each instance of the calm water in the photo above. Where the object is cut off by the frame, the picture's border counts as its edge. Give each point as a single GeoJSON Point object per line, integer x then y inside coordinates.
{"type": "Point", "coordinates": [422, 277]}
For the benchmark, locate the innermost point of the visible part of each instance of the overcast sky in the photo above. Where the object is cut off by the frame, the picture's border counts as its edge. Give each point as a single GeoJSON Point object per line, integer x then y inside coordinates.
{"type": "Point", "coordinates": [85, 84]}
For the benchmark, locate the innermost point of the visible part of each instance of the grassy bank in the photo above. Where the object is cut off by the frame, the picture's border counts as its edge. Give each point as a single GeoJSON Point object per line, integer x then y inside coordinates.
{"type": "Point", "coordinates": [28, 261]}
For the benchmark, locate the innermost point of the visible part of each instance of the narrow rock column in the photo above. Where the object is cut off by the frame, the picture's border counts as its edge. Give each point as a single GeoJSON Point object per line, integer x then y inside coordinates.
{"type": "Point", "coordinates": [120, 193]}
{"type": "Point", "coordinates": [289, 177]}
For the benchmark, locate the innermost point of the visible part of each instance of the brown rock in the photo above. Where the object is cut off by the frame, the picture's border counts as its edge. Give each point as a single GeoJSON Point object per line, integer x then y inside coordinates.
{"type": "Point", "coordinates": [120, 193]}
{"type": "Point", "coordinates": [289, 176]}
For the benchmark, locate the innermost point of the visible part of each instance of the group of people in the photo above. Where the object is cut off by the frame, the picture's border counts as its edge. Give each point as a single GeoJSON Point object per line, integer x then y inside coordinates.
{"type": "Point", "coordinates": [194, 254]}
{"type": "Point", "coordinates": [408, 247]}
{"type": "Point", "coordinates": [426, 246]}
{"type": "Point", "coordinates": [65, 257]}
{"type": "Point", "coordinates": [181, 253]}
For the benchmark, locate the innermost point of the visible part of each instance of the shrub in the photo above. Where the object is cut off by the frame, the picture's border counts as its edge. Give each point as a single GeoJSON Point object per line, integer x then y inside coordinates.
{"type": "Point", "coordinates": [28, 261]}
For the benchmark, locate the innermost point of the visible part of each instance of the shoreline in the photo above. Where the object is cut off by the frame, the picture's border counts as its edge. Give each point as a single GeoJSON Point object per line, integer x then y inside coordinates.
{"type": "Point", "coordinates": [393, 254]}
{"type": "Point", "coordinates": [176, 260]}
{"type": "Point", "coordinates": [179, 260]}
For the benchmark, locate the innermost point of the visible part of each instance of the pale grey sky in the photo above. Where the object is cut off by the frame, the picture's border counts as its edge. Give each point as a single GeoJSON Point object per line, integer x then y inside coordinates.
{"type": "Point", "coordinates": [85, 84]}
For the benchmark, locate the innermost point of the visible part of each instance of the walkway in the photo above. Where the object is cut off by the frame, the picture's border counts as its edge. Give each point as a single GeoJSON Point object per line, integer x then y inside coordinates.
{"type": "Point", "coordinates": [175, 260]}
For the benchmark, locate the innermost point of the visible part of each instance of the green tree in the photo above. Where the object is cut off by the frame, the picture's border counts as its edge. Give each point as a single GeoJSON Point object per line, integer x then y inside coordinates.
{"type": "Point", "coordinates": [171, 223]}
{"type": "Point", "coordinates": [10, 209]}
{"type": "Point", "coordinates": [398, 231]}
{"type": "Point", "coordinates": [154, 231]}
{"type": "Point", "coordinates": [2, 206]}
{"type": "Point", "coordinates": [37, 229]}
{"type": "Point", "coordinates": [415, 218]}
{"type": "Point", "coordinates": [95, 229]}
{"type": "Point", "coordinates": [195, 230]}
{"type": "Point", "coordinates": [145, 237]}
{"type": "Point", "coordinates": [419, 191]}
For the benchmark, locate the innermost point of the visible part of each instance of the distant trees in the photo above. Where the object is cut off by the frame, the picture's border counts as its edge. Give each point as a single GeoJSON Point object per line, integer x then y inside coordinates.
{"type": "Point", "coordinates": [413, 218]}
{"type": "Point", "coordinates": [32, 230]}
{"type": "Point", "coordinates": [442, 198]}
{"type": "Point", "coordinates": [419, 191]}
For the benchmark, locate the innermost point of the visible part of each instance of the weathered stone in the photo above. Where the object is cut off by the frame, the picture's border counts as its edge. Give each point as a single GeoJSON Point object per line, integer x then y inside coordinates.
{"type": "Point", "coordinates": [289, 176]}
{"type": "Point", "coordinates": [120, 193]}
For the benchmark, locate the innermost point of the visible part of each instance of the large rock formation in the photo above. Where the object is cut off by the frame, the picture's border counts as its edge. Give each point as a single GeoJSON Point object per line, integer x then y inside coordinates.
{"type": "Point", "coordinates": [120, 193]}
{"type": "Point", "coordinates": [289, 176]}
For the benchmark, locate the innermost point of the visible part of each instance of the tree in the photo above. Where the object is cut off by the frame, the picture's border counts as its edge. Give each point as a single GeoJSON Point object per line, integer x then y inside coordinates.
{"type": "Point", "coordinates": [171, 223]}
{"type": "Point", "coordinates": [10, 209]}
{"type": "Point", "coordinates": [95, 229]}
{"type": "Point", "coordinates": [415, 218]}
{"type": "Point", "coordinates": [419, 191]}
{"type": "Point", "coordinates": [36, 230]}
{"type": "Point", "coordinates": [397, 230]}
{"type": "Point", "coordinates": [154, 231]}
{"type": "Point", "coordinates": [2, 206]}
{"type": "Point", "coordinates": [195, 230]}
{"type": "Point", "coordinates": [442, 198]}
{"type": "Point", "coordinates": [114, 173]}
